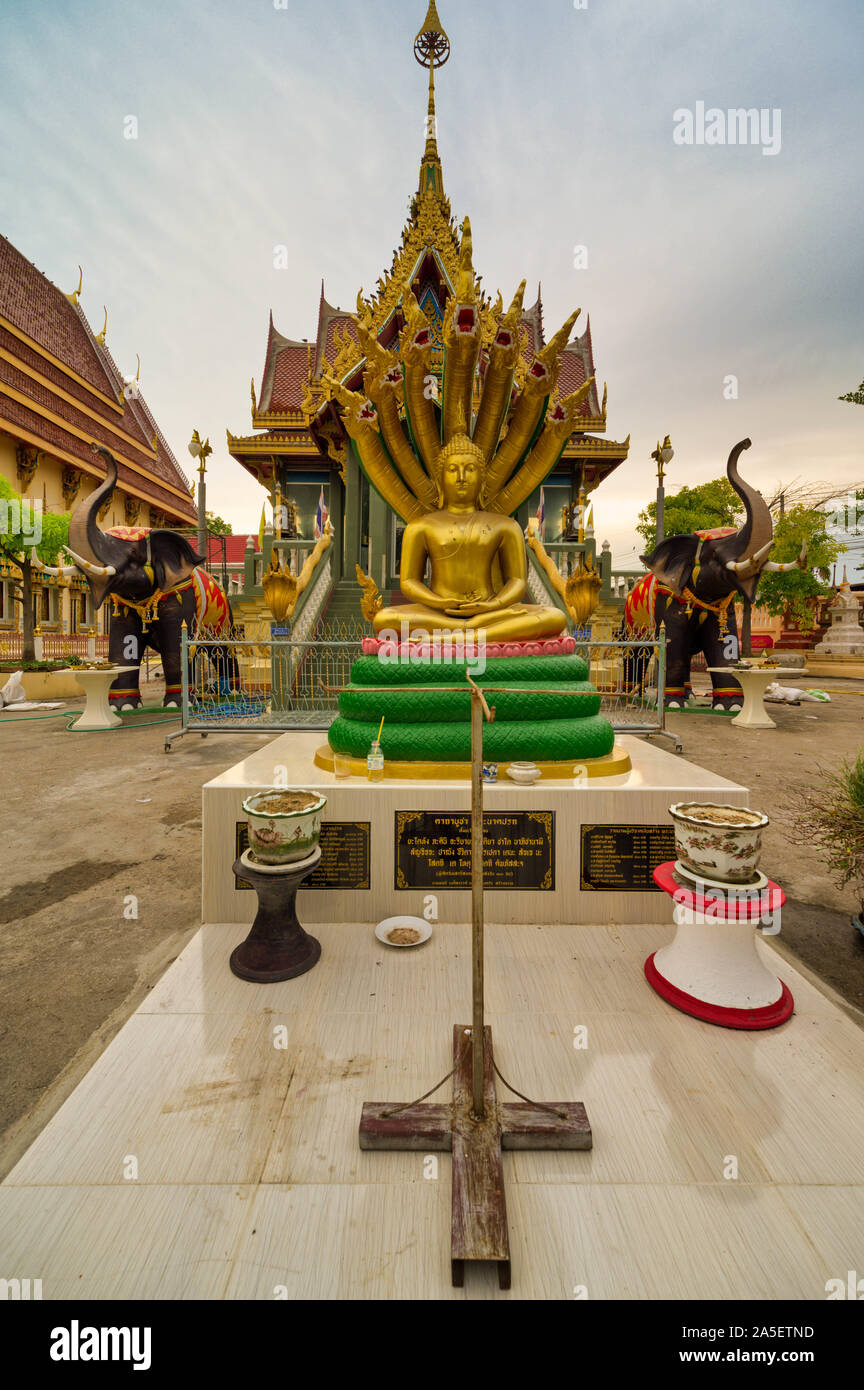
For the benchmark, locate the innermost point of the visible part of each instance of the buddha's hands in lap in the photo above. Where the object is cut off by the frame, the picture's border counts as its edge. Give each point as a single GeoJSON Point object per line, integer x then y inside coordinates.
{"type": "Point", "coordinates": [473, 608]}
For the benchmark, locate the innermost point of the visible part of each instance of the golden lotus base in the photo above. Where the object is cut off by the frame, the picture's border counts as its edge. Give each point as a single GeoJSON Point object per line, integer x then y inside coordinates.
{"type": "Point", "coordinates": [614, 764]}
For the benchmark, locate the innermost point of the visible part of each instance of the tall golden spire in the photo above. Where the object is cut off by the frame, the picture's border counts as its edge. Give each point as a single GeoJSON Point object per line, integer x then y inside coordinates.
{"type": "Point", "coordinates": [431, 47]}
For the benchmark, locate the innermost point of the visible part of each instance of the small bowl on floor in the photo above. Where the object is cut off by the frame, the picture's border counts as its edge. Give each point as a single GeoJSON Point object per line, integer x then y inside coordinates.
{"type": "Point", "coordinates": [404, 927]}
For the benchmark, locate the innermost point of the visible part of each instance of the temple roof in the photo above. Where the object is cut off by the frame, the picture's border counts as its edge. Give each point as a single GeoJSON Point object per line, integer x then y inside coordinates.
{"type": "Point", "coordinates": [294, 398]}
{"type": "Point", "coordinates": [61, 390]}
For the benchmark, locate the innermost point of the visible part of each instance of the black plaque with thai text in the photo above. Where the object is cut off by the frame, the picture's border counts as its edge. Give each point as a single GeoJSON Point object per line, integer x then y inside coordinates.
{"type": "Point", "coordinates": [622, 858]}
{"type": "Point", "coordinates": [346, 855]}
{"type": "Point", "coordinates": [433, 850]}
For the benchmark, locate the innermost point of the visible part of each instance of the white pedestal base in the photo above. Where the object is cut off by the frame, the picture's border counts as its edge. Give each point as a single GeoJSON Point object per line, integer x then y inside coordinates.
{"type": "Point", "coordinates": [641, 797]}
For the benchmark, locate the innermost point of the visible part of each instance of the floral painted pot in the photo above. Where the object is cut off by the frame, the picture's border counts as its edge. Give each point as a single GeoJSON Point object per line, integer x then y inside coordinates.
{"type": "Point", "coordinates": [718, 842]}
{"type": "Point", "coordinates": [284, 824]}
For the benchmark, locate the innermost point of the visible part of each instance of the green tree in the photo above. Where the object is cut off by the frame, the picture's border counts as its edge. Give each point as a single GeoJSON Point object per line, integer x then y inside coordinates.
{"type": "Point", "coordinates": [701, 508]}
{"type": "Point", "coordinates": [20, 527]}
{"type": "Point", "coordinates": [794, 593]}
{"type": "Point", "coordinates": [854, 397]}
{"type": "Point", "coordinates": [218, 527]}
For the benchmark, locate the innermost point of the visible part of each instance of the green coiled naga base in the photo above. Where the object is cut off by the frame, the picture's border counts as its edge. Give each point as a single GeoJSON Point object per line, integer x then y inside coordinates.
{"type": "Point", "coordinates": [546, 711]}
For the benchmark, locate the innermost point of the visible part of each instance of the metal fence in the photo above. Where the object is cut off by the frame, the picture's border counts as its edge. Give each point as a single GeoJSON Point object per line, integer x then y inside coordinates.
{"type": "Point", "coordinates": [54, 646]}
{"type": "Point", "coordinates": [255, 684]}
{"type": "Point", "coordinates": [628, 675]}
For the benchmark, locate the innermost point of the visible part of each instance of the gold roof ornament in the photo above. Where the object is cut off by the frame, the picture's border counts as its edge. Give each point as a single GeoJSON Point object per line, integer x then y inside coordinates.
{"type": "Point", "coordinates": [76, 294]}
{"type": "Point", "coordinates": [431, 48]}
{"type": "Point", "coordinates": [432, 44]}
{"type": "Point", "coordinates": [100, 337]}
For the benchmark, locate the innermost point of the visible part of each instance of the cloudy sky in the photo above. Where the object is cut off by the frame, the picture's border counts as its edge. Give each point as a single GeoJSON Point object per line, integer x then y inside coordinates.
{"type": "Point", "coordinates": [300, 123]}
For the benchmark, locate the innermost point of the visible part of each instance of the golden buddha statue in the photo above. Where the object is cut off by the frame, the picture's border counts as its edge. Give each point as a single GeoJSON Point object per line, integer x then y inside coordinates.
{"type": "Point", "coordinates": [458, 500]}
{"type": "Point", "coordinates": [476, 560]}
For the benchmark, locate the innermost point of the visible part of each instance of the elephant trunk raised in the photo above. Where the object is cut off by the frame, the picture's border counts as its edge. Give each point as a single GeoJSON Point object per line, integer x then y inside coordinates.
{"type": "Point", "coordinates": [155, 580]}
{"type": "Point", "coordinates": [159, 561]}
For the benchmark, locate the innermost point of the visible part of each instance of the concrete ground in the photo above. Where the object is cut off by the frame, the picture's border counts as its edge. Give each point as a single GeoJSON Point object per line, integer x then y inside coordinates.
{"type": "Point", "coordinates": [100, 882]}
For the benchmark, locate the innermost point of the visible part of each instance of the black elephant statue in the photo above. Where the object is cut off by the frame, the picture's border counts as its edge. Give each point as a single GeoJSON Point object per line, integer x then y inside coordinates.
{"type": "Point", "coordinates": [155, 584]}
{"type": "Point", "coordinates": [692, 587]}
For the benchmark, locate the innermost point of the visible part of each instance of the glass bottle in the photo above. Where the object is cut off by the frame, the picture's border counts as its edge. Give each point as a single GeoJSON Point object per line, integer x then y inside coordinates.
{"type": "Point", "coordinates": [375, 763]}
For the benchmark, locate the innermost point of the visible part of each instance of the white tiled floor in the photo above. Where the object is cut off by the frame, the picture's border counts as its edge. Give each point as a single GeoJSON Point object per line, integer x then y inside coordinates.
{"type": "Point", "coordinates": [240, 1104]}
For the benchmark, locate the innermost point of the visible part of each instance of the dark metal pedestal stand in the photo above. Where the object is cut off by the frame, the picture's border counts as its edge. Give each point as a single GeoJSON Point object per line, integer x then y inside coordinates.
{"type": "Point", "coordinates": [277, 948]}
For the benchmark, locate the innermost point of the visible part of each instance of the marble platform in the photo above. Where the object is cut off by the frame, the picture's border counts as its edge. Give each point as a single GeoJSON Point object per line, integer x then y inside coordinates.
{"type": "Point", "coordinates": [639, 798]}
{"type": "Point", "coordinates": [212, 1153]}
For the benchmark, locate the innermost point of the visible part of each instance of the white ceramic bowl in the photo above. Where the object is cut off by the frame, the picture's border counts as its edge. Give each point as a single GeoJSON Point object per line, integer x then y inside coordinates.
{"type": "Point", "coordinates": [283, 837]}
{"type": "Point", "coordinates": [526, 774]}
{"type": "Point", "coordinates": [727, 847]}
{"type": "Point", "coordinates": [417, 923]}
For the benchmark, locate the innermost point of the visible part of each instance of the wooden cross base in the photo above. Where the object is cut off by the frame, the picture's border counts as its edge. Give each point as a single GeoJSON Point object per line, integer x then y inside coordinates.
{"type": "Point", "coordinates": [479, 1211]}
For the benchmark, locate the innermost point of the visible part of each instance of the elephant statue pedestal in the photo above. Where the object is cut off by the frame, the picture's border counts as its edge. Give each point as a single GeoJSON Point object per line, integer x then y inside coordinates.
{"type": "Point", "coordinates": [277, 948]}
{"type": "Point", "coordinates": [98, 714]}
{"type": "Point", "coordinates": [754, 683]}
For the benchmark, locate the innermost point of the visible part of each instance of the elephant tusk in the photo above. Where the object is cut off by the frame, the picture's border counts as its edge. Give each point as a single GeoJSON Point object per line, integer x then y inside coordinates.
{"type": "Point", "coordinates": [799, 564]}
{"type": "Point", "coordinates": [98, 571]}
{"type": "Point", "coordinates": [54, 571]}
{"type": "Point", "coordinates": [753, 563]}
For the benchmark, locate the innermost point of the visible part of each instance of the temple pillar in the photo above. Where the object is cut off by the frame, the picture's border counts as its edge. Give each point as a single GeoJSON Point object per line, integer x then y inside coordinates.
{"type": "Point", "coordinates": [379, 529]}
{"type": "Point", "coordinates": [336, 521]}
{"type": "Point", "coordinates": [353, 496]}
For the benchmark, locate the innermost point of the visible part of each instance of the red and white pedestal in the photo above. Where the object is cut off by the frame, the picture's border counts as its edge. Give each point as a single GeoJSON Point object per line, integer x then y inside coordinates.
{"type": "Point", "coordinates": [712, 969]}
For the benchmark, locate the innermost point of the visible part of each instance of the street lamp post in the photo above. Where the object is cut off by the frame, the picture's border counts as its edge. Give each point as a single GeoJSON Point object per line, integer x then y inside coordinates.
{"type": "Point", "coordinates": [201, 452]}
{"type": "Point", "coordinates": [662, 455]}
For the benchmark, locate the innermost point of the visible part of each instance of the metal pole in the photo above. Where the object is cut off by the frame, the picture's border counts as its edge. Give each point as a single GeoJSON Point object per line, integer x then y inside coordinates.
{"type": "Point", "coordinates": [477, 1067]}
{"type": "Point", "coordinates": [184, 674]}
{"type": "Point", "coordinates": [202, 518]}
{"type": "Point", "coordinates": [661, 512]}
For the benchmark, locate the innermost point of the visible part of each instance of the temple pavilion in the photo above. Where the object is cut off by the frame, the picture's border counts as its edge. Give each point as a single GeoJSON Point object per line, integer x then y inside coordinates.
{"type": "Point", "coordinates": [61, 392]}
{"type": "Point", "coordinates": [298, 445]}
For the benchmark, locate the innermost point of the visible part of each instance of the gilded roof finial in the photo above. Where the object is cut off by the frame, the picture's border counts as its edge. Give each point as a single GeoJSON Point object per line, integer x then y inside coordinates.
{"type": "Point", "coordinates": [76, 294]}
{"type": "Point", "coordinates": [100, 337]}
{"type": "Point", "coordinates": [431, 47]}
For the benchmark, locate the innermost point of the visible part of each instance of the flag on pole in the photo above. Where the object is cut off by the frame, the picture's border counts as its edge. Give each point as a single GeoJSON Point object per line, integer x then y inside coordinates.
{"type": "Point", "coordinates": [541, 515]}
{"type": "Point", "coordinates": [321, 516]}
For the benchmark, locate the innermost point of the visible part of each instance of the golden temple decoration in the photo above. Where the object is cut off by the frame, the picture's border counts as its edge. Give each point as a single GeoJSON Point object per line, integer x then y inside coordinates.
{"type": "Point", "coordinates": [282, 589]}
{"type": "Point", "coordinates": [580, 592]}
{"type": "Point", "coordinates": [76, 294]}
{"type": "Point", "coordinates": [70, 480]}
{"type": "Point", "coordinates": [339, 454]}
{"type": "Point", "coordinates": [100, 337]}
{"type": "Point", "coordinates": [27, 461]}
{"type": "Point", "coordinates": [371, 602]}
{"type": "Point", "coordinates": [347, 353]}
{"type": "Point", "coordinates": [456, 493]}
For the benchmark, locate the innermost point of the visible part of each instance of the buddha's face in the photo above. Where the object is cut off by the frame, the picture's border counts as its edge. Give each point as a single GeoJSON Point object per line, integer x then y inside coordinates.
{"type": "Point", "coordinates": [461, 480]}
